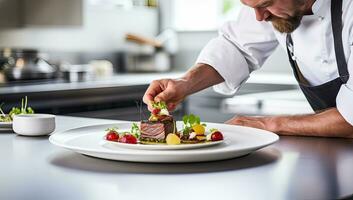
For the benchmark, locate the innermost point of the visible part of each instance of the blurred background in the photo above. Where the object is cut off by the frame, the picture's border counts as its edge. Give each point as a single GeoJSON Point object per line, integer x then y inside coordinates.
{"type": "Point", "coordinates": [95, 58]}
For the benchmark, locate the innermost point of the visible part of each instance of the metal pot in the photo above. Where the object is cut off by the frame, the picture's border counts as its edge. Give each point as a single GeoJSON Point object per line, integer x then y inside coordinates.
{"type": "Point", "coordinates": [24, 64]}
{"type": "Point", "coordinates": [77, 73]}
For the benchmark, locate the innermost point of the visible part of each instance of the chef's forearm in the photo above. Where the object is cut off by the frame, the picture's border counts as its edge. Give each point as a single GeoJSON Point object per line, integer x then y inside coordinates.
{"type": "Point", "coordinates": [201, 76]}
{"type": "Point", "coordinates": [329, 123]}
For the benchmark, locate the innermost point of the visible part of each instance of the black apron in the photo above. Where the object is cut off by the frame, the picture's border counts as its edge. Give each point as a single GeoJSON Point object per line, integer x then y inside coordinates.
{"type": "Point", "coordinates": [323, 96]}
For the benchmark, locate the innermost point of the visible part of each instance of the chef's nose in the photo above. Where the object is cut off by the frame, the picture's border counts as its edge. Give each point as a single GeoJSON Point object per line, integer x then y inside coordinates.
{"type": "Point", "coordinates": [261, 14]}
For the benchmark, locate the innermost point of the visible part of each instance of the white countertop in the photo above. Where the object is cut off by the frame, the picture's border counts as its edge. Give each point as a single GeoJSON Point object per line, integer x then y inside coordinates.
{"type": "Point", "coordinates": [292, 168]}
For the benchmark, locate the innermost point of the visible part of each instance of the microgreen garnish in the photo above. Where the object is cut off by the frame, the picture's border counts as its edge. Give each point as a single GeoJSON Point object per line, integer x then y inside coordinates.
{"type": "Point", "coordinates": [23, 110]}
{"type": "Point", "coordinates": [135, 130]}
{"type": "Point", "coordinates": [159, 105]}
{"type": "Point", "coordinates": [2, 112]}
{"type": "Point", "coordinates": [189, 121]}
{"type": "Point", "coordinates": [16, 111]}
{"type": "Point", "coordinates": [3, 116]}
{"type": "Point", "coordinates": [113, 129]}
{"type": "Point", "coordinates": [213, 130]}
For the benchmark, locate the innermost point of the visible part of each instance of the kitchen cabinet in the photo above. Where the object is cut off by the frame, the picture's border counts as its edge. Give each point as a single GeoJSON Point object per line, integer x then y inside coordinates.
{"type": "Point", "coordinates": [52, 12]}
{"type": "Point", "coordinates": [105, 102]}
{"type": "Point", "coordinates": [22, 13]}
{"type": "Point", "coordinates": [117, 97]}
{"type": "Point", "coordinates": [10, 13]}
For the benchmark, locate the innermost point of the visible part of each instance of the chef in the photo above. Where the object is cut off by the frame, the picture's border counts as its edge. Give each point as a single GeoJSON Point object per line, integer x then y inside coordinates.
{"type": "Point", "coordinates": [318, 38]}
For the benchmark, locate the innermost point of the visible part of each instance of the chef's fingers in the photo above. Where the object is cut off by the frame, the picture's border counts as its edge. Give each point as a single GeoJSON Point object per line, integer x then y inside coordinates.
{"type": "Point", "coordinates": [248, 122]}
{"type": "Point", "coordinates": [152, 91]}
{"type": "Point", "coordinates": [165, 96]}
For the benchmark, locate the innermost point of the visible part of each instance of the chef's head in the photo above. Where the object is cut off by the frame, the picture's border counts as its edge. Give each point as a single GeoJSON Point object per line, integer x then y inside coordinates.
{"type": "Point", "coordinates": [285, 15]}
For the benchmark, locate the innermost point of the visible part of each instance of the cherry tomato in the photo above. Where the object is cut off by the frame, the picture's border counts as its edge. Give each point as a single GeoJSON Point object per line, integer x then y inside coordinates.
{"type": "Point", "coordinates": [129, 139]}
{"type": "Point", "coordinates": [112, 136]}
{"type": "Point", "coordinates": [216, 136]}
{"type": "Point", "coordinates": [156, 111]}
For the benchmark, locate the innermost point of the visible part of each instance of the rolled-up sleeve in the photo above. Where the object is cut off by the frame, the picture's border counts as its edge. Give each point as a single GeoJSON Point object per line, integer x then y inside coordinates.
{"type": "Point", "coordinates": [345, 95]}
{"type": "Point", "coordinates": [344, 103]}
{"type": "Point", "coordinates": [242, 46]}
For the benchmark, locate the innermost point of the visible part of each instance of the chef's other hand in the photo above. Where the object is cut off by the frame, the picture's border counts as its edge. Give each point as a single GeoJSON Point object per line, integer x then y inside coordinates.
{"type": "Point", "coordinates": [171, 91]}
{"type": "Point", "coordinates": [265, 123]}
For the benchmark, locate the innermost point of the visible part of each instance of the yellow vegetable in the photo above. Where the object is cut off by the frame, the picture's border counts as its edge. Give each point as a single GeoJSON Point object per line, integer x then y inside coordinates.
{"type": "Point", "coordinates": [201, 138]}
{"type": "Point", "coordinates": [172, 139]}
{"type": "Point", "coordinates": [153, 118]}
{"type": "Point", "coordinates": [199, 129]}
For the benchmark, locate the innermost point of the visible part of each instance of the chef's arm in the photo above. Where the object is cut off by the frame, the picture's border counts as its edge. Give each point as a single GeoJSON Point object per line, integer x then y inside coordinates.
{"type": "Point", "coordinates": [328, 123]}
{"type": "Point", "coordinates": [201, 76]}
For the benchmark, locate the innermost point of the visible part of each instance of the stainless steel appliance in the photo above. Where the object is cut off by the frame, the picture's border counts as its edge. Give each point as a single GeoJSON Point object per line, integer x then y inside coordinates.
{"type": "Point", "coordinates": [25, 64]}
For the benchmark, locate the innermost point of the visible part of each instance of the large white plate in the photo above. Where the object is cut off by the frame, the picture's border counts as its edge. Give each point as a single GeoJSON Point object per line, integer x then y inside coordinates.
{"type": "Point", "coordinates": [239, 141]}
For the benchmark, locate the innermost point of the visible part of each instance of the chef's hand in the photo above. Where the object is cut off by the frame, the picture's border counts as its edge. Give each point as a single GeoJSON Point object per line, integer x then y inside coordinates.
{"type": "Point", "coordinates": [171, 91]}
{"type": "Point", "coordinates": [174, 91]}
{"type": "Point", "coordinates": [265, 123]}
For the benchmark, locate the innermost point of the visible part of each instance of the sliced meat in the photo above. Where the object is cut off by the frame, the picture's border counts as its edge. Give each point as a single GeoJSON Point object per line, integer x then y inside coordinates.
{"type": "Point", "coordinates": [152, 130]}
{"type": "Point", "coordinates": [157, 130]}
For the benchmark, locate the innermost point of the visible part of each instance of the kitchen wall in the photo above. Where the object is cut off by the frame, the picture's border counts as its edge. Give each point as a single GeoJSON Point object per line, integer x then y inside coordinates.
{"type": "Point", "coordinates": [191, 43]}
{"type": "Point", "coordinates": [103, 29]}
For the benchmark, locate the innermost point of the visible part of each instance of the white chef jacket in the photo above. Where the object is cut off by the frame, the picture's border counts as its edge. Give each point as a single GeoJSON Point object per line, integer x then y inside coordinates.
{"type": "Point", "coordinates": [243, 46]}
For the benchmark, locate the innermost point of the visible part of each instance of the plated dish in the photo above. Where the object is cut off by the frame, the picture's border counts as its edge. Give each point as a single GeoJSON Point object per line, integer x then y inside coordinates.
{"type": "Point", "coordinates": [160, 132]}
{"type": "Point", "coordinates": [161, 139]}
{"type": "Point", "coordinates": [89, 140]}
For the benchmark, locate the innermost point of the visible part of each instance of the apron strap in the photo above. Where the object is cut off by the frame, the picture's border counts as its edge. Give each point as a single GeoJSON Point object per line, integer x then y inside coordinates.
{"type": "Point", "coordinates": [336, 20]}
{"type": "Point", "coordinates": [290, 51]}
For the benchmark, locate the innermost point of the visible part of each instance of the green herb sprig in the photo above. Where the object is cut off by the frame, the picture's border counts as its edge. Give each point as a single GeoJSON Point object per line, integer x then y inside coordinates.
{"type": "Point", "coordinates": [23, 110]}
{"type": "Point", "coordinates": [3, 116]}
{"type": "Point", "coordinates": [135, 130]}
{"type": "Point", "coordinates": [2, 112]}
{"type": "Point", "coordinates": [189, 121]}
{"type": "Point", "coordinates": [113, 129]}
{"type": "Point", "coordinates": [213, 130]}
{"type": "Point", "coordinates": [159, 105]}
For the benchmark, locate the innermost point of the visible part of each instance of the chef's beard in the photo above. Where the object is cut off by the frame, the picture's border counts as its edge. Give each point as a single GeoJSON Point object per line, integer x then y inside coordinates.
{"type": "Point", "coordinates": [288, 25]}
{"type": "Point", "coordinates": [285, 25]}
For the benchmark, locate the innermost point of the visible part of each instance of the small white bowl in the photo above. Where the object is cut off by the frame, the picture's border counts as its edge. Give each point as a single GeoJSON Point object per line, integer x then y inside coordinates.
{"type": "Point", "coordinates": [33, 124]}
